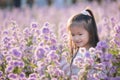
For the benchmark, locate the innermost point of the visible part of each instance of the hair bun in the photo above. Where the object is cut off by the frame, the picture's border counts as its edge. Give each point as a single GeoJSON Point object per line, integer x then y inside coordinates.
{"type": "Point", "coordinates": [84, 12]}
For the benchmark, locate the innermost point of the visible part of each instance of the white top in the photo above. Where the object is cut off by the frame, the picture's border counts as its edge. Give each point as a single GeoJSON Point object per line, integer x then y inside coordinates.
{"type": "Point", "coordinates": [74, 68]}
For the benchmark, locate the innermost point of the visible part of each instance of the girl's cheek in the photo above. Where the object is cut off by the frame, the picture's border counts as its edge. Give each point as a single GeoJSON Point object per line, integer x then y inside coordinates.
{"type": "Point", "coordinates": [73, 38]}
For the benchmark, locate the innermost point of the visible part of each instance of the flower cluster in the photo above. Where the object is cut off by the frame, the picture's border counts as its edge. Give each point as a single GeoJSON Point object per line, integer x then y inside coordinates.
{"type": "Point", "coordinates": [35, 53]}
{"type": "Point", "coordinates": [96, 64]}
{"type": "Point", "coordinates": [32, 53]}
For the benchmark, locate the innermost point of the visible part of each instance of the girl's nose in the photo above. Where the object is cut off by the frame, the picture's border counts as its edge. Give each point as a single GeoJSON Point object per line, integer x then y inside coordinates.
{"type": "Point", "coordinates": [76, 37]}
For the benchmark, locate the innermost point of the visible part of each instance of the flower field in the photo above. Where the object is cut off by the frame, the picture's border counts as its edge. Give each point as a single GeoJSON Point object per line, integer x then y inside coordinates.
{"type": "Point", "coordinates": [34, 41]}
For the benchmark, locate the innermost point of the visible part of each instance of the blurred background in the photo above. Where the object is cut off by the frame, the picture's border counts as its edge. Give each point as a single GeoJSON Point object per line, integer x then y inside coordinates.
{"type": "Point", "coordinates": [57, 12]}
{"type": "Point", "coordinates": [42, 3]}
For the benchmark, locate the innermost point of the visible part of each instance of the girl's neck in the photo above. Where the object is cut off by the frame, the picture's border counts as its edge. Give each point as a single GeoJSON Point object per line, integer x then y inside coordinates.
{"type": "Point", "coordinates": [88, 47]}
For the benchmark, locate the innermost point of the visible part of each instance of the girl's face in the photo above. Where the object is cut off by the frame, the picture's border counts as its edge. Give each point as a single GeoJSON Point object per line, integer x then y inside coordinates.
{"type": "Point", "coordinates": [80, 36]}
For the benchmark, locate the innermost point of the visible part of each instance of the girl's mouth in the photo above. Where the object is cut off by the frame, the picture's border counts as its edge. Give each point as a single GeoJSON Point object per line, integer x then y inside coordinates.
{"type": "Point", "coordinates": [78, 42]}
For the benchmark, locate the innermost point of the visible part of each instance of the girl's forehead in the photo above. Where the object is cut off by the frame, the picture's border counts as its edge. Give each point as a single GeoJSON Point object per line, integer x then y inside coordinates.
{"type": "Point", "coordinates": [77, 27]}
{"type": "Point", "coordinates": [80, 24]}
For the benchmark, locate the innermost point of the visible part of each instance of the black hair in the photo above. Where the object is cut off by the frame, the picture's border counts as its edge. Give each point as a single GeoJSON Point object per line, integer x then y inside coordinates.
{"type": "Point", "coordinates": [89, 24]}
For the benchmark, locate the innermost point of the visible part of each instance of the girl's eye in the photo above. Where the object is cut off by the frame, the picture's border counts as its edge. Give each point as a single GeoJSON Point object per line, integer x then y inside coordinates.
{"type": "Point", "coordinates": [73, 35]}
{"type": "Point", "coordinates": [80, 34]}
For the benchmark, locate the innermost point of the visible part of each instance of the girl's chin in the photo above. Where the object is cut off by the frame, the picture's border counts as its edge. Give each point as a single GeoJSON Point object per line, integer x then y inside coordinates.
{"type": "Point", "coordinates": [78, 46]}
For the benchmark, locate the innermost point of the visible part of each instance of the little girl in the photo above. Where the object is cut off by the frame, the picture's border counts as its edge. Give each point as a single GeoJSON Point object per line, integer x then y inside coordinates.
{"type": "Point", "coordinates": [83, 33]}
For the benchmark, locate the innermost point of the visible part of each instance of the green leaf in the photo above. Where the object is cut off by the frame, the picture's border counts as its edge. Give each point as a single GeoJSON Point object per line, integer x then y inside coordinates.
{"type": "Point", "coordinates": [114, 51]}
{"type": "Point", "coordinates": [33, 65]}
{"type": "Point", "coordinates": [29, 41]}
{"type": "Point", "coordinates": [17, 70]}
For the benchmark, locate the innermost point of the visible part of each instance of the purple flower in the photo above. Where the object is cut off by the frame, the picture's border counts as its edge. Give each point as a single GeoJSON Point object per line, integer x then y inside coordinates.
{"type": "Point", "coordinates": [102, 75]}
{"type": "Point", "coordinates": [41, 44]}
{"type": "Point", "coordinates": [54, 71]}
{"type": "Point", "coordinates": [79, 62]}
{"type": "Point", "coordinates": [1, 56]}
{"type": "Point", "coordinates": [45, 30]}
{"type": "Point", "coordinates": [1, 73]}
{"type": "Point", "coordinates": [40, 53]}
{"type": "Point", "coordinates": [46, 24]}
{"type": "Point", "coordinates": [8, 58]}
{"type": "Point", "coordinates": [60, 47]}
{"type": "Point", "coordinates": [6, 40]}
{"type": "Point", "coordinates": [99, 66]}
{"type": "Point", "coordinates": [117, 29]}
{"type": "Point", "coordinates": [22, 75]}
{"type": "Point", "coordinates": [9, 68]}
{"type": "Point", "coordinates": [34, 25]}
{"type": "Point", "coordinates": [16, 53]}
{"type": "Point", "coordinates": [47, 48]}
{"type": "Point", "coordinates": [16, 63]}
{"type": "Point", "coordinates": [12, 76]}
{"type": "Point", "coordinates": [53, 56]}
{"type": "Point", "coordinates": [33, 75]}
{"type": "Point", "coordinates": [87, 54]}
{"type": "Point", "coordinates": [53, 41]}
{"type": "Point", "coordinates": [117, 36]}
{"type": "Point", "coordinates": [101, 45]}
{"type": "Point", "coordinates": [117, 42]}
{"type": "Point", "coordinates": [46, 37]}
{"type": "Point", "coordinates": [21, 64]}
{"type": "Point", "coordinates": [38, 32]}
{"type": "Point", "coordinates": [107, 64]}
{"type": "Point", "coordinates": [115, 78]}
{"type": "Point", "coordinates": [26, 31]}
{"type": "Point", "coordinates": [117, 39]}
{"type": "Point", "coordinates": [53, 47]}
{"type": "Point", "coordinates": [58, 72]}
{"type": "Point", "coordinates": [5, 32]}
{"type": "Point", "coordinates": [108, 57]}
{"type": "Point", "coordinates": [74, 77]}
{"type": "Point", "coordinates": [112, 70]}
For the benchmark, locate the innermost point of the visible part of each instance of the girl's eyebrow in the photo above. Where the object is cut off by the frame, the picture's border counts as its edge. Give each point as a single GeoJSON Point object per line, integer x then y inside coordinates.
{"type": "Point", "coordinates": [76, 33]}
{"type": "Point", "coordinates": [79, 32]}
